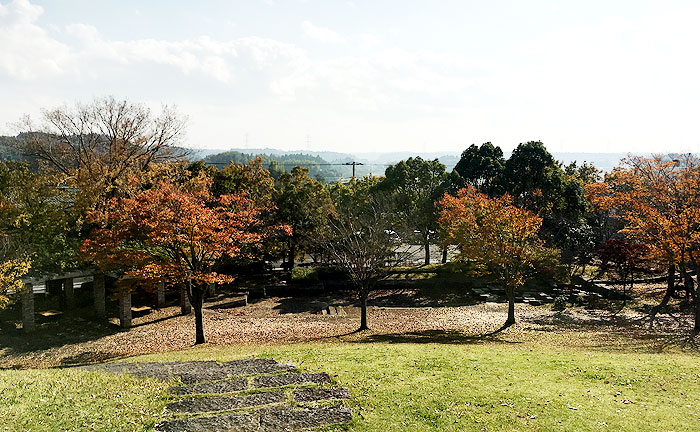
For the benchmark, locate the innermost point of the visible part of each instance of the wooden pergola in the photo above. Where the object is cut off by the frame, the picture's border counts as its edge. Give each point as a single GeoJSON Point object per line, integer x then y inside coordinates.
{"type": "Point", "coordinates": [99, 299]}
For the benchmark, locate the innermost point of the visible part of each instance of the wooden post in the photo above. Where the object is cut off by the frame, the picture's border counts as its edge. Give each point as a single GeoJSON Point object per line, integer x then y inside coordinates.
{"type": "Point", "coordinates": [125, 307]}
{"type": "Point", "coordinates": [98, 294]}
{"type": "Point", "coordinates": [28, 324]}
{"type": "Point", "coordinates": [160, 295]}
{"type": "Point", "coordinates": [185, 306]}
{"type": "Point", "coordinates": [70, 294]}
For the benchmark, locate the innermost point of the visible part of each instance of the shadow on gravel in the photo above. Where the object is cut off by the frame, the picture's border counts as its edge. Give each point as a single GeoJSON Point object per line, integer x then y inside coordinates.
{"type": "Point", "coordinates": [54, 334]}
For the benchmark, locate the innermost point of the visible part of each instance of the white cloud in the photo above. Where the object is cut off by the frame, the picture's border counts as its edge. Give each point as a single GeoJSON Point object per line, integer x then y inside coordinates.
{"type": "Point", "coordinates": [321, 34]}
{"type": "Point", "coordinates": [27, 51]}
{"type": "Point", "coordinates": [616, 82]}
{"type": "Point", "coordinates": [370, 82]}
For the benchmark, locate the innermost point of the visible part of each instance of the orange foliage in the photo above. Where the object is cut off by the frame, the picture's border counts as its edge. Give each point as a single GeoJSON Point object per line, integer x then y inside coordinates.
{"type": "Point", "coordinates": [174, 233]}
{"type": "Point", "coordinates": [493, 233]}
{"type": "Point", "coordinates": [659, 200]}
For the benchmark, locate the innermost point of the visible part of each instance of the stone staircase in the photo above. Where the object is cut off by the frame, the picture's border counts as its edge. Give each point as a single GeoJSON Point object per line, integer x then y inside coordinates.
{"type": "Point", "coordinates": [254, 394]}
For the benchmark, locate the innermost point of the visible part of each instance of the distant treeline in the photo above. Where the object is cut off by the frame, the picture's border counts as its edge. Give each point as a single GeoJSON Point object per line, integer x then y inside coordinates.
{"type": "Point", "coordinates": [318, 167]}
{"type": "Point", "coordinates": [8, 149]}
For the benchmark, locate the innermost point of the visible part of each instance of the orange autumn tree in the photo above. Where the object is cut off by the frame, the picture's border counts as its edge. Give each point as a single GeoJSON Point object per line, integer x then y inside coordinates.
{"type": "Point", "coordinates": [497, 237]}
{"type": "Point", "coordinates": [659, 201]}
{"type": "Point", "coordinates": [175, 233]}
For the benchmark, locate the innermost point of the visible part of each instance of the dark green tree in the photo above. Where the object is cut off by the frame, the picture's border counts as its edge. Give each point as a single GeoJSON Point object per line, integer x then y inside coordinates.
{"type": "Point", "coordinates": [37, 221]}
{"type": "Point", "coordinates": [537, 182]}
{"type": "Point", "coordinates": [304, 204]}
{"type": "Point", "coordinates": [414, 185]}
{"type": "Point", "coordinates": [481, 167]}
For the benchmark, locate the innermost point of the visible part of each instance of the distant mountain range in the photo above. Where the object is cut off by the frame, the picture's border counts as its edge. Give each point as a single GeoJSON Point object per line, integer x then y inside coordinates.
{"type": "Point", "coordinates": [333, 166]}
{"type": "Point", "coordinates": [376, 162]}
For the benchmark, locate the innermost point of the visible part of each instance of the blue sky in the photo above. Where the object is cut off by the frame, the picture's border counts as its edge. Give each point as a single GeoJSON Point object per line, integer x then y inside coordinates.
{"type": "Point", "coordinates": [597, 76]}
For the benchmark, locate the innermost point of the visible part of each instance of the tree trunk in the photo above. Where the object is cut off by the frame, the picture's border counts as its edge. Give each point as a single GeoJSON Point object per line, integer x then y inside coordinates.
{"type": "Point", "coordinates": [687, 282]}
{"type": "Point", "coordinates": [444, 255]}
{"type": "Point", "coordinates": [510, 293]}
{"type": "Point", "coordinates": [292, 254]}
{"type": "Point", "coordinates": [670, 289]}
{"type": "Point", "coordinates": [426, 245]}
{"type": "Point", "coordinates": [697, 310]}
{"type": "Point", "coordinates": [696, 268]}
{"type": "Point", "coordinates": [185, 303]}
{"type": "Point", "coordinates": [197, 300]}
{"type": "Point", "coordinates": [363, 311]}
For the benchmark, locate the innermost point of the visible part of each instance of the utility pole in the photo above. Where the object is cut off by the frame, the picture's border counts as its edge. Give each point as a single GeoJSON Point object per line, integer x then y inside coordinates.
{"type": "Point", "coordinates": [353, 163]}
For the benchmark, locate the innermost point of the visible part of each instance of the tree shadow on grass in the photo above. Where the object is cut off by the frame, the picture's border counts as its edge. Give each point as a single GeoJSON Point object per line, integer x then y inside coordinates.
{"type": "Point", "coordinates": [430, 336]}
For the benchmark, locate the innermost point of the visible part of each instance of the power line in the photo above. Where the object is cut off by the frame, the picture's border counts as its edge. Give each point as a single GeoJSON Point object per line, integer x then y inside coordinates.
{"type": "Point", "coordinates": [293, 164]}
{"type": "Point", "coordinates": [353, 163]}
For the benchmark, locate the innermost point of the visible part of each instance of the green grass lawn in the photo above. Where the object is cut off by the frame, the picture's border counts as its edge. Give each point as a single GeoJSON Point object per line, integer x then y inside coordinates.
{"type": "Point", "coordinates": [403, 386]}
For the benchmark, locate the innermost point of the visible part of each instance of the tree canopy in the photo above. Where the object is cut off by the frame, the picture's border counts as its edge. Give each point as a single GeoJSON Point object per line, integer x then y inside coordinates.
{"type": "Point", "coordinates": [496, 236]}
{"type": "Point", "coordinates": [174, 233]}
{"type": "Point", "coordinates": [414, 185]}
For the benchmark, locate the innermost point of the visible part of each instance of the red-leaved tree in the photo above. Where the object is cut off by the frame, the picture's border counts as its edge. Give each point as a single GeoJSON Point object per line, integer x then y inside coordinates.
{"type": "Point", "coordinates": [175, 233]}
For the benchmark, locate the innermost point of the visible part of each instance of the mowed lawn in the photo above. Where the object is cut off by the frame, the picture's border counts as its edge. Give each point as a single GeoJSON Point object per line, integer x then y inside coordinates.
{"type": "Point", "coordinates": [402, 386]}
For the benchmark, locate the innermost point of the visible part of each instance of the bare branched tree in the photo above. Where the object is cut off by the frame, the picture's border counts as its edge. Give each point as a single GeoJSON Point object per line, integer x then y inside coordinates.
{"type": "Point", "coordinates": [101, 143]}
{"type": "Point", "coordinates": [365, 246]}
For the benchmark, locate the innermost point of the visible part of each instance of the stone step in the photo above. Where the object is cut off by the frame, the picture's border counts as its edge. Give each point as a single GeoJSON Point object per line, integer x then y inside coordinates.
{"type": "Point", "coordinates": [265, 420]}
{"type": "Point", "coordinates": [317, 394]}
{"type": "Point", "coordinates": [287, 418]}
{"type": "Point", "coordinates": [225, 403]}
{"type": "Point", "coordinates": [224, 423]}
{"type": "Point", "coordinates": [290, 379]}
{"type": "Point", "coordinates": [212, 388]}
{"type": "Point", "coordinates": [197, 371]}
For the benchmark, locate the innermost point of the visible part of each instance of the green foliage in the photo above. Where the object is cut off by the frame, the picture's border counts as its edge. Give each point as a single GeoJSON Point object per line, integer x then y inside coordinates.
{"type": "Point", "coordinates": [354, 197]}
{"type": "Point", "coordinates": [587, 173]}
{"type": "Point", "coordinates": [249, 177]}
{"type": "Point", "coordinates": [37, 221]}
{"type": "Point", "coordinates": [559, 303]}
{"type": "Point", "coordinates": [305, 274]}
{"type": "Point", "coordinates": [304, 204]}
{"type": "Point", "coordinates": [481, 167]}
{"type": "Point", "coordinates": [414, 185]}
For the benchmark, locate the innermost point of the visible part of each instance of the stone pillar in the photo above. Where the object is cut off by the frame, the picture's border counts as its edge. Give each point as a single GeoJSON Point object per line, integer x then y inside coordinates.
{"type": "Point", "coordinates": [160, 294]}
{"type": "Point", "coordinates": [69, 293]}
{"type": "Point", "coordinates": [212, 290]}
{"type": "Point", "coordinates": [28, 324]}
{"type": "Point", "coordinates": [124, 307]}
{"type": "Point", "coordinates": [185, 306]}
{"type": "Point", "coordinates": [98, 294]}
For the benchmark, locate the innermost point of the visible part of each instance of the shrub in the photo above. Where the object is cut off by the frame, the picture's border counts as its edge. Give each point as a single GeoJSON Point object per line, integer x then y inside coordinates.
{"type": "Point", "coordinates": [304, 274]}
{"type": "Point", "coordinates": [559, 303]}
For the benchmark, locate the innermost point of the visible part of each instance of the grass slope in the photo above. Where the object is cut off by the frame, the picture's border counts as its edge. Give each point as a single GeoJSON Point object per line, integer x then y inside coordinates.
{"type": "Point", "coordinates": [75, 400]}
{"type": "Point", "coordinates": [403, 386]}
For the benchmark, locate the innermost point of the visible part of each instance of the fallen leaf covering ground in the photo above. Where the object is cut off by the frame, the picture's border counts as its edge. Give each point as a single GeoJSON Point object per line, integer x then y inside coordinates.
{"type": "Point", "coordinates": [393, 318]}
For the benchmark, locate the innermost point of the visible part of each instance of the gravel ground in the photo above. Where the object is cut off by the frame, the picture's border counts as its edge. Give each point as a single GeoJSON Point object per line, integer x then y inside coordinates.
{"type": "Point", "coordinates": [283, 320]}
